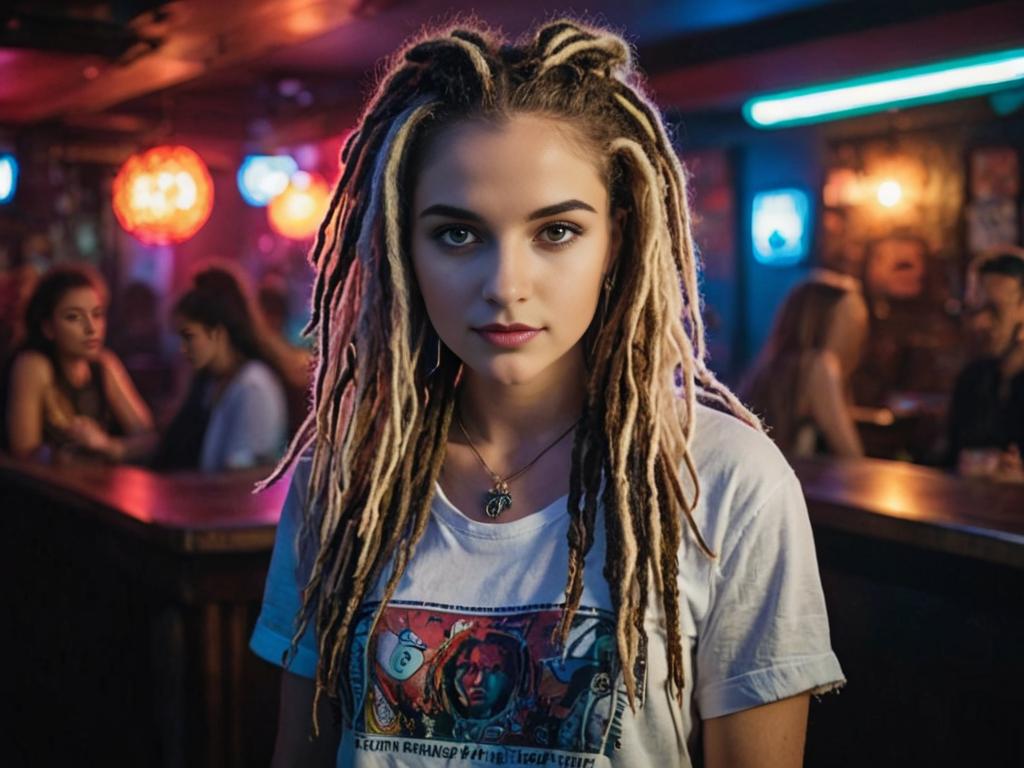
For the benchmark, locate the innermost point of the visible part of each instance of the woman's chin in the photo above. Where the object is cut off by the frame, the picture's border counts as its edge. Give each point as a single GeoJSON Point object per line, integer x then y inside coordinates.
{"type": "Point", "coordinates": [506, 372]}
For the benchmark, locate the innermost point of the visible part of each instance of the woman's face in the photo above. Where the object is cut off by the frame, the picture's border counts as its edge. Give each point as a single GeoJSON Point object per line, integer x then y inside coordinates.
{"type": "Point", "coordinates": [199, 344]}
{"type": "Point", "coordinates": [511, 238]}
{"type": "Point", "coordinates": [78, 324]}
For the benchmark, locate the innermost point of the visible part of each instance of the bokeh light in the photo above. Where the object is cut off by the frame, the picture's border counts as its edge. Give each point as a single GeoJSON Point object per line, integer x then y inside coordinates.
{"type": "Point", "coordinates": [297, 212]}
{"type": "Point", "coordinates": [261, 178]}
{"type": "Point", "coordinates": [163, 196]}
{"type": "Point", "coordinates": [889, 193]}
{"type": "Point", "coordinates": [8, 177]}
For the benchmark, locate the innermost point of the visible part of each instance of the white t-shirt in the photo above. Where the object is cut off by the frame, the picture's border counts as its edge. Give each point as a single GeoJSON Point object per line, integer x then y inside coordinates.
{"type": "Point", "coordinates": [461, 671]}
{"type": "Point", "coordinates": [248, 424]}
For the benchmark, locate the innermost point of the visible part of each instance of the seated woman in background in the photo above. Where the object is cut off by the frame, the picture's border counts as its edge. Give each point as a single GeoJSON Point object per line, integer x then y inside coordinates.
{"type": "Point", "coordinates": [67, 395]}
{"type": "Point", "coordinates": [235, 414]}
{"type": "Point", "coordinates": [800, 382]}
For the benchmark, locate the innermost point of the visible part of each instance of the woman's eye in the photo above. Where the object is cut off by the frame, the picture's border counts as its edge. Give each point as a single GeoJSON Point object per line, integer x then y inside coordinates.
{"type": "Point", "coordinates": [559, 234]}
{"type": "Point", "coordinates": [456, 237]}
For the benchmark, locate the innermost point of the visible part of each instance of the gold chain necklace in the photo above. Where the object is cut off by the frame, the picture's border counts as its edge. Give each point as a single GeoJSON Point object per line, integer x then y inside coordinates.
{"type": "Point", "coordinates": [499, 498]}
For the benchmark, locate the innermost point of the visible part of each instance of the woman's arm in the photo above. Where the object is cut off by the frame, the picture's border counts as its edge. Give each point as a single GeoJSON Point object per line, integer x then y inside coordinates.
{"type": "Point", "coordinates": [129, 409]}
{"type": "Point", "coordinates": [828, 406]}
{"type": "Point", "coordinates": [131, 412]}
{"type": "Point", "coordinates": [769, 736]}
{"type": "Point", "coordinates": [31, 375]}
{"type": "Point", "coordinates": [294, 746]}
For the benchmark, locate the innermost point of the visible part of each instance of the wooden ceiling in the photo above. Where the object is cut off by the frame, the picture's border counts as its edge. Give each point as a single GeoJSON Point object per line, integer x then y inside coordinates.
{"type": "Point", "coordinates": [274, 71]}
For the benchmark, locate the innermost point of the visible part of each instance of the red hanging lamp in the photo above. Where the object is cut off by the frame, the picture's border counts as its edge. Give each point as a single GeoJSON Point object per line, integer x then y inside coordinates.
{"type": "Point", "coordinates": [163, 196]}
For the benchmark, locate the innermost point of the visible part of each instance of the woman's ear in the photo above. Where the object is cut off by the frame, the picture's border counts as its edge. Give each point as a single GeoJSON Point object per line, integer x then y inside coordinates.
{"type": "Point", "coordinates": [47, 329]}
{"type": "Point", "coordinates": [618, 226]}
{"type": "Point", "coordinates": [219, 335]}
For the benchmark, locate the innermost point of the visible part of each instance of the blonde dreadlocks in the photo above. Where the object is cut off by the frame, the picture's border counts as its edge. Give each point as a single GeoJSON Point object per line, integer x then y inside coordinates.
{"type": "Point", "coordinates": [379, 425]}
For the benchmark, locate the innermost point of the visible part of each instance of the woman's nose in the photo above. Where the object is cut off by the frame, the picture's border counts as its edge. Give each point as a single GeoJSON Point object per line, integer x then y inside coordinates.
{"type": "Point", "coordinates": [508, 277]}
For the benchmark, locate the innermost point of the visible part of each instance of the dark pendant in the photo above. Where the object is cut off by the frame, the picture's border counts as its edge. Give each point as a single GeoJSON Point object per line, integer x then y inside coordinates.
{"type": "Point", "coordinates": [498, 500]}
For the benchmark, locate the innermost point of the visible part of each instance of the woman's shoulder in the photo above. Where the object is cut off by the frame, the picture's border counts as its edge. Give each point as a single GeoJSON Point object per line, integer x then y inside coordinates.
{"type": "Point", "coordinates": [258, 373]}
{"type": "Point", "coordinates": [725, 444]}
{"type": "Point", "coordinates": [32, 365]}
{"type": "Point", "coordinates": [255, 379]}
{"type": "Point", "coordinates": [738, 468]}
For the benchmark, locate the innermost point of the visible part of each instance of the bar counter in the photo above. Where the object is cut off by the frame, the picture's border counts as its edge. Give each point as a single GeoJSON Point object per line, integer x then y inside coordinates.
{"type": "Point", "coordinates": [137, 593]}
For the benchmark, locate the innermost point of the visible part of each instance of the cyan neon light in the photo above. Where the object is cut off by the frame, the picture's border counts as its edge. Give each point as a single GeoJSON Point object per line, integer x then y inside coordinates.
{"type": "Point", "coordinates": [261, 178]}
{"type": "Point", "coordinates": [954, 79]}
{"type": "Point", "coordinates": [780, 226]}
{"type": "Point", "coordinates": [8, 177]}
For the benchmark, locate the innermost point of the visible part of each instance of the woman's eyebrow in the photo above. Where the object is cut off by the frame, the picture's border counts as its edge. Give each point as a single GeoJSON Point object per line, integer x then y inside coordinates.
{"type": "Point", "coordinates": [451, 211]}
{"type": "Point", "coordinates": [557, 208]}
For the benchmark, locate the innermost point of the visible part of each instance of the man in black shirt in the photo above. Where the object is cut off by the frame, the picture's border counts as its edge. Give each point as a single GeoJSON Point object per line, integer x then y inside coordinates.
{"type": "Point", "coordinates": [986, 415]}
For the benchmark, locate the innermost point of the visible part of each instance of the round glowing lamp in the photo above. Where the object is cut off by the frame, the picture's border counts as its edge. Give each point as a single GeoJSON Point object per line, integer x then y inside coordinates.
{"type": "Point", "coordinates": [261, 178]}
{"type": "Point", "coordinates": [8, 177]}
{"type": "Point", "coordinates": [889, 193]}
{"type": "Point", "coordinates": [297, 212]}
{"type": "Point", "coordinates": [163, 196]}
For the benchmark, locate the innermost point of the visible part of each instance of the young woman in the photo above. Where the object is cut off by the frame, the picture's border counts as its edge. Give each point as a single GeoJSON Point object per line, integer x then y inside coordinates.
{"type": "Point", "coordinates": [514, 536]}
{"type": "Point", "coordinates": [800, 383]}
{"type": "Point", "coordinates": [68, 396]}
{"type": "Point", "coordinates": [234, 415]}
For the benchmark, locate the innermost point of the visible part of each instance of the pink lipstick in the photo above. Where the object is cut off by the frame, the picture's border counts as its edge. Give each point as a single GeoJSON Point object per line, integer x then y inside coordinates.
{"type": "Point", "coordinates": [508, 336]}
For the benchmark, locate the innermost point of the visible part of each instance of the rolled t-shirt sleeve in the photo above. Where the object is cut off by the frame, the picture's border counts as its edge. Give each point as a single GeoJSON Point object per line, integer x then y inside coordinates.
{"type": "Point", "coordinates": [765, 636]}
{"type": "Point", "coordinates": [282, 594]}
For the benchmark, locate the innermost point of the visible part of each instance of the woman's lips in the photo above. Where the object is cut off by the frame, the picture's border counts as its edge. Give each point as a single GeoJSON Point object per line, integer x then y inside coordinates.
{"type": "Point", "coordinates": [508, 338]}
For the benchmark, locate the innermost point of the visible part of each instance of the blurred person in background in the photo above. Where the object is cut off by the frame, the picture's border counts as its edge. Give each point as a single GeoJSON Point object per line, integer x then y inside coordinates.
{"type": "Point", "coordinates": [67, 396]}
{"type": "Point", "coordinates": [235, 414]}
{"type": "Point", "coordinates": [16, 286]}
{"type": "Point", "coordinates": [800, 382]}
{"type": "Point", "coordinates": [986, 414]}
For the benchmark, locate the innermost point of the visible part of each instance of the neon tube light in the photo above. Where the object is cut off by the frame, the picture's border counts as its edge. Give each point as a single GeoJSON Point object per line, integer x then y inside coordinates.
{"type": "Point", "coordinates": [942, 81]}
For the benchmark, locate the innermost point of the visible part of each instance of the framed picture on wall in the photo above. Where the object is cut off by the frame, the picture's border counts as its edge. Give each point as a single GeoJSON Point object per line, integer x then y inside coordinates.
{"type": "Point", "coordinates": [991, 223]}
{"type": "Point", "coordinates": [994, 173]}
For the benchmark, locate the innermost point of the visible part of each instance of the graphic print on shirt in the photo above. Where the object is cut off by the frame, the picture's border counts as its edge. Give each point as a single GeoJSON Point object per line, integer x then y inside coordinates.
{"type": "Point", "coordinates": [484, 678]}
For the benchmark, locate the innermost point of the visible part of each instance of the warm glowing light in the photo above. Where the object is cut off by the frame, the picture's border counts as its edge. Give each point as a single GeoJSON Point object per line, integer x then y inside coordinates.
{"type": "Point", "coordinates": [942, 81]}
{"type": "Point", "coordinates": [297, 212]}
{"type": "Point", "coordinates": [889, 193]}
{"type": "Point", "coordinates": [261, 178]}
{"type": "Point", "coordinates": [8, 177]}
{"type": "Point", "coordinates": [163, 196]}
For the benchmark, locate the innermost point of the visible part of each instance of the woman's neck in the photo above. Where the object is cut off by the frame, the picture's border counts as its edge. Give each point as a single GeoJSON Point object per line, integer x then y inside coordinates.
{"type": "Point", "coordinates": [507, 416]}
{"type": "Point", "coordinates": [226, 363]}
{"type": "Point", "coordinates": [74, 368]}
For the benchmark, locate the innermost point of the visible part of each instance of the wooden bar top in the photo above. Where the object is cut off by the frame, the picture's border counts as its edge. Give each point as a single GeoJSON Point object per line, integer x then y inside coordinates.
{"type": "Point", "coordinates": [187, 512]}
{"type": "Point", "coordinates": [893, 501]}
{"type": "Point", "coordinates": [916, 505]}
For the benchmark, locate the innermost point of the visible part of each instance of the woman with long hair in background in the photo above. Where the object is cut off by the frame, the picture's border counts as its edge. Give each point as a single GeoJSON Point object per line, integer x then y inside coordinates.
{"type": "Point", "coordinates": [68, 396]}
{"type": "Point", "coordinates": [234, 415]}
{"type": "Point", "coordinates": [800, 383]}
